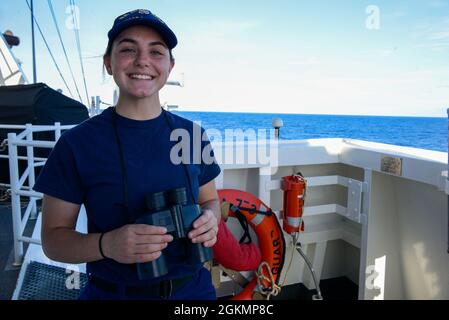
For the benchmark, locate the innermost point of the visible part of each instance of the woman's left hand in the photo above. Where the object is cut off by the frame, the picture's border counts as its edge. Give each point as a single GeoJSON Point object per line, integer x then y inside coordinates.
{"type": "Point", "coordinates": [205, 229]}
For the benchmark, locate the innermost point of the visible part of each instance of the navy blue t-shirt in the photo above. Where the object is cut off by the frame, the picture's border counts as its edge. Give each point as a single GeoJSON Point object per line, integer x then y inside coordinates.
{"type": "Point", "coordinates": [84, 168]}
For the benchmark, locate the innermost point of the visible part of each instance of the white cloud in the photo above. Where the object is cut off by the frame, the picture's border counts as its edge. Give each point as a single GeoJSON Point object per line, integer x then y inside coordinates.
{"type": "Point", "coordinates": [438, 3]}
{"type": "Point", "coordinates": [358, 91]}
{"type": "Point", "coordinates": [439, 35]}
{"type": "Point", "coordinates": [436, 47]}
{"type": "Point", "coordinates": [305, 62]}
{"type": "Point", "coordinates": [398, 14]}
{"type": "Point", "coordinates": [395, 14]}
{"type": "Point", "coordinates": [224, 27]}
{"type": "Point", "coordinates": [432, 35]}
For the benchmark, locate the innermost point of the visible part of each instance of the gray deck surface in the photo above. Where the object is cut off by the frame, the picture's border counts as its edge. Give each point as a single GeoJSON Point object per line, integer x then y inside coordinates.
{"type": "Point", "coordinates": [8, 274]}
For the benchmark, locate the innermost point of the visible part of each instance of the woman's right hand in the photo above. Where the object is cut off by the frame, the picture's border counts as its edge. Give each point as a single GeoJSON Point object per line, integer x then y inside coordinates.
{"type": "Point", "coordinates": [135, 243]}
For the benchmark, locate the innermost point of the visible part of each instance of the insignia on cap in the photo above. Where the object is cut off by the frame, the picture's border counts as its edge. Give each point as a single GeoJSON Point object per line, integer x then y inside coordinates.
{"type": "Point", "coordinates": [138, 11]}
{"type": "Point", "coordinates": [143, 11]}
{"type": "Point", "coordinates": [123, 16]}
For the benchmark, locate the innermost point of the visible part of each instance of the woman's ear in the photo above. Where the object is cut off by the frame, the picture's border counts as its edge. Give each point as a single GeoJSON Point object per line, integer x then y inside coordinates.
{"type": "Point", "coordinates": [107, 64]}
{"type": "Point", "coordinates": [172, 65]}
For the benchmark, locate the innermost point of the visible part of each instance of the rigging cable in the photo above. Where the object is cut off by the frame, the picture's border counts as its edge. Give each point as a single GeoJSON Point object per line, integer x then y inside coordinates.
{"type": "Point", "coordinates": [50, 6]}
{"type": "Point", "coordinates": [78, 44]}
{"type": "Point", "coordinates": [49, 50]}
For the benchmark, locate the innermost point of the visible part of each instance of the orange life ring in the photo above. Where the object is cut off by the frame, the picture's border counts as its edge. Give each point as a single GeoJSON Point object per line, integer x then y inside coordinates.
{"type": "Point", "coordinates": [269, 234]}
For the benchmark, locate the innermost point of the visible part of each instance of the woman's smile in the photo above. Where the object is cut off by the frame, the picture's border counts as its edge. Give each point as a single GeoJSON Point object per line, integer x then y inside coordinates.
{"type": "Point", "coordinates": [140, 76]}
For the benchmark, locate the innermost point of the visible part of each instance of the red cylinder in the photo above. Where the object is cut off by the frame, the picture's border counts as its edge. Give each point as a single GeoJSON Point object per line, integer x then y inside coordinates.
{"type": "Point", "coordinates": [294, 188]}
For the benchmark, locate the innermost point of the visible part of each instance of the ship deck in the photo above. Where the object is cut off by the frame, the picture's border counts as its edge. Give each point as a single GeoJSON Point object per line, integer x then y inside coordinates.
{"type": "Point", "coordinates": [399, 228]}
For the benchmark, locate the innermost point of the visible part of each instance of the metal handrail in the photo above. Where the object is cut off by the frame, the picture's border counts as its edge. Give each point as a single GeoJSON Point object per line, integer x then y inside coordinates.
{"type": "Point", "coordinates": [17, 182]}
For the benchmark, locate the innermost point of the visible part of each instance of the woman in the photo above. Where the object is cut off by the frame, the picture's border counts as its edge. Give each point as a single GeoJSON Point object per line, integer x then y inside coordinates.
{"type": "Point", "coordinates": [111, 162]}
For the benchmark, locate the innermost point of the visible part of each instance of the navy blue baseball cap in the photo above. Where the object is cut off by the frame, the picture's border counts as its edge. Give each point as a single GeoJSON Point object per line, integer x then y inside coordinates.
{"type": "Point", "coordinates": [143, 17]}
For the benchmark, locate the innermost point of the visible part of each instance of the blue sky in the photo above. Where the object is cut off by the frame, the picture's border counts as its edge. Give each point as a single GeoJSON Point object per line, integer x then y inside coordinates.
{"type": "Point", "coordinates": [319, 57]}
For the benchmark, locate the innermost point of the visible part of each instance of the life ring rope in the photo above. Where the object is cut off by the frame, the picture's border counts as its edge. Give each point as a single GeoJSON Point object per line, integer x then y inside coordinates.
{"type": "Point", "coordinates": [274, 289]}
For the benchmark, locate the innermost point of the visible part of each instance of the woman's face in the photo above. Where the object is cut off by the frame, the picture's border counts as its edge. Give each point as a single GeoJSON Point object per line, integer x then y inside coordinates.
{"type": "Point", "coordinates": [139, 62]}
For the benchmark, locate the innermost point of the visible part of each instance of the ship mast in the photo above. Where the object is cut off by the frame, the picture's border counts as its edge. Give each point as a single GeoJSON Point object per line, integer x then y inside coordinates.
{"type": "Point", "coordinates": [33, 43]}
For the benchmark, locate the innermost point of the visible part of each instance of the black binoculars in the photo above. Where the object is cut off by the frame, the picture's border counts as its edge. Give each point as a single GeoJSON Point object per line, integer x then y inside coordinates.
{"type": "Point", "coordinates": [168, 209]}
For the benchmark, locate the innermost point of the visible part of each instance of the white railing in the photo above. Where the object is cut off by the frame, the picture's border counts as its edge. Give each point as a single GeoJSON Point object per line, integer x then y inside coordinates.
{"type": "Point", "coordinates": [18, 188]}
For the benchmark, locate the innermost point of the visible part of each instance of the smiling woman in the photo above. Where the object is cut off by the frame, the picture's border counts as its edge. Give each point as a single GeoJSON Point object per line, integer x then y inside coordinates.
{"type": "Point", "coordinates": [114, 178]}
{"type": "Point", "coordinates": [140, 64]}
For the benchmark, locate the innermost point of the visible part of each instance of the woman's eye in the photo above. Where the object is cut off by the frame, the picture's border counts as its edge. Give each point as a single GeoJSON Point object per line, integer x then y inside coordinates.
{"type": "Point", "coordinates": [127, 50]}
{"type": "Point", "coordinates": [156, 53]}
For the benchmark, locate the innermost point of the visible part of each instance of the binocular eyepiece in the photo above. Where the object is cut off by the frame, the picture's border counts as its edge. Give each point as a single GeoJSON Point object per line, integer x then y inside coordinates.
{"type": "Point", "coordinates": [169, 209]}
{"type": "Point", "coordinates": [160, 200]}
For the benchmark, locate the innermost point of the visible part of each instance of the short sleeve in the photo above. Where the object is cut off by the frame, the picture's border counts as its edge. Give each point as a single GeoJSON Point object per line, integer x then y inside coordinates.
{"type": "Point", "coordinates": [59, 177]}
{"type": "Point", "coordinates": [209, 169]}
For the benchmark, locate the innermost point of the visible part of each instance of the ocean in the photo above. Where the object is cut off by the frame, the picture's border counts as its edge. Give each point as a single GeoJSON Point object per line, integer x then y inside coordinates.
{"type": "Point", "coordinates": [423, 133]}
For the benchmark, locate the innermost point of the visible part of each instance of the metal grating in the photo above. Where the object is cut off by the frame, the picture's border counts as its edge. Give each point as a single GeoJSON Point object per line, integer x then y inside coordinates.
{"type": "Point", "coordinates": [46, 282]}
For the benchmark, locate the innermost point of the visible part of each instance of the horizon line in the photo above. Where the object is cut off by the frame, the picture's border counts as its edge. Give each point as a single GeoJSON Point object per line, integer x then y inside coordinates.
{"type": "Point", "coordinates": [318, 114]}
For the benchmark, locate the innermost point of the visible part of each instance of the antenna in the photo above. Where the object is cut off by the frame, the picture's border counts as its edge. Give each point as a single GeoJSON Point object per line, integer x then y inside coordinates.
{"type": "Point", "coordinates": [176, 83]}
{"type": "Point", "coordinates": [33, 43]}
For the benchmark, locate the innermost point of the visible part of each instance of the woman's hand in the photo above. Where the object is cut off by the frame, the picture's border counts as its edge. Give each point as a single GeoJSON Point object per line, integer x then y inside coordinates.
{"type": "Point", "coordinates": [205, 229]}
{"type": "Point", "coordinates": [136, 243]}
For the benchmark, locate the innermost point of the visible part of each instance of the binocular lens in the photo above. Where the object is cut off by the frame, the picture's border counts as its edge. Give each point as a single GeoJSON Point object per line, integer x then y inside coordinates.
{"type": "Point", "coordinates": [156, 201]}
{"type": "Point", "coordinates": [177, 196]}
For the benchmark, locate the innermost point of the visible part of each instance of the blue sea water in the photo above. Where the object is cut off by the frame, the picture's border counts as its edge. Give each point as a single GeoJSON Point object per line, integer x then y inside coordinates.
{"type": "Point", "coordinates": [424, 133]}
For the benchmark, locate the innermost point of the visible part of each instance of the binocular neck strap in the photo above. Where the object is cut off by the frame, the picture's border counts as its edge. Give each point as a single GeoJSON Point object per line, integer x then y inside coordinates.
{"type": "Point", "coordinates": [122, 161]}
{"type": "Point", "coordinates": [123, 166]}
